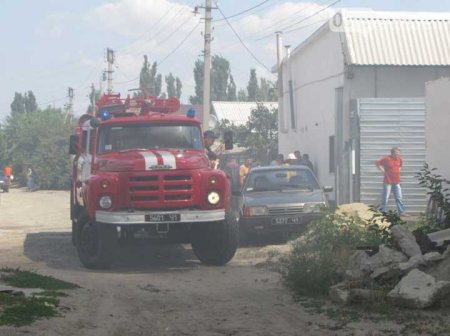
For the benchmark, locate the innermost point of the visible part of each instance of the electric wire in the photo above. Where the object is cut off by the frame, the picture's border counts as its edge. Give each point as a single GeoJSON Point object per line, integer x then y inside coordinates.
{"type": "Point", "coordinates": [298, 22]}
{"type": "Point", "coordinates": [242, 42]}
{"type": "Point", "coordinates": [289, 17]}
{"type": "Point", "coordinates": [160, 31]}
{"type": "Point", "coordinates": [242, 12]}
{"type": "Point", "coordinates": [179, 44]}
{"type": "Point", "coordinates": [151, 27]}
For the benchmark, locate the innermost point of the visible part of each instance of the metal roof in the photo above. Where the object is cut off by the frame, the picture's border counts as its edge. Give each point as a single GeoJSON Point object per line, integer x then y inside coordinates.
{"type": "Point", "coordinates": [396, 38]}
{"type": "Point", "coordinates": [238, 112]}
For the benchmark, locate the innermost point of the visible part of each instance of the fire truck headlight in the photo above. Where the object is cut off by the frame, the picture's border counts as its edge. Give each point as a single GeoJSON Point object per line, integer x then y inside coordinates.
{"type": "Point", "coordinates": [213, 198]}
{"type": "Point", "coordinates": [105, 202]}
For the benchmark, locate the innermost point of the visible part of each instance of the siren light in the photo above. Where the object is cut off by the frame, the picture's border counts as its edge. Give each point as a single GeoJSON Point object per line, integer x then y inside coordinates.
{"type": "Point", "coordinates": [104, 114]}
{"type": "Point", "coordinates": [190, 113]}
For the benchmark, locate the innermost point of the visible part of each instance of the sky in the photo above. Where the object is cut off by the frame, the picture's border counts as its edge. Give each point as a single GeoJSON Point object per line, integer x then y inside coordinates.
{"type": "Point", "coordinates": [50, 45]}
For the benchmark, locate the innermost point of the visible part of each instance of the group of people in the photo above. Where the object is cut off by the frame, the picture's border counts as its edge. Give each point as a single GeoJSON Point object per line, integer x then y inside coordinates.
{"type": "Point", "coordinates": [295, 158]}
{"type": "Point", "coordinates": [31, 177]}
{"type": "Point", "coordinates": [390, 166]}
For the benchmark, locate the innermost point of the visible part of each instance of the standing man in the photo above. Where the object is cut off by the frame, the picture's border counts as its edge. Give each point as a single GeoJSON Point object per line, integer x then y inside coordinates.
{"type": "Point", "coordinates": [8, 174]}
{"type": "Point", "coordinates": [209, 138]}
{"type": "Point", "coordinates": [243, 171]}
{"type": "Point", "coordinates": [391, 167]}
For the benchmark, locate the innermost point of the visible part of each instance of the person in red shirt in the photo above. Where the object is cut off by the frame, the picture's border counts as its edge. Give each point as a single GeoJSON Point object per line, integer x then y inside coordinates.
{"type": "Point", "coordinates": [391, 167]}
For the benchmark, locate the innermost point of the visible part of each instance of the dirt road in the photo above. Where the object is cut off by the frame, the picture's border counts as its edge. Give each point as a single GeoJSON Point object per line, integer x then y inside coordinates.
{"type": "Point", "coordinates": [159, 290]}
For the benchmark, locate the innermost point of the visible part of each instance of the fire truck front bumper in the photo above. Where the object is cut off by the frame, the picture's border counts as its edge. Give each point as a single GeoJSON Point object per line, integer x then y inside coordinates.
{"type": "Point", "coordinates": [149, 217]}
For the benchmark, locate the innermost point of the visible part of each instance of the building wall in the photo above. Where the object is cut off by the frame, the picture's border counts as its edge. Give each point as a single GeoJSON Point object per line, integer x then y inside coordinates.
{"type": "Point", "coordinates": [317, 69]}
{"type": "Point", "coordinates": [316, 72]}
{"type": "Point", "coordinates": [437, 125]}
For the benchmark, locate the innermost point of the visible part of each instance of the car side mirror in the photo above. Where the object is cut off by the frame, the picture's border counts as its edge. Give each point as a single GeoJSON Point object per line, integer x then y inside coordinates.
{"type": "Point", "coordinates": [73, 144]}
{"type": "Point", "coordinates": [228, 140]}
{"type": "Point", "coordinates": [327, 189]}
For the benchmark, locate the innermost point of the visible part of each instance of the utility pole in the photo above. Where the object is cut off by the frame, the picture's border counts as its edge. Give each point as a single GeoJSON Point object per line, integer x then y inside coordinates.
{"type": "Point", "coordinates": [110, 59]}
{"type": "Point", "coordinates": [69, 105]}
{"type": "Point", "coordinates": [281, 116]}
{"type": "Point", "coordinates": [207, 66]}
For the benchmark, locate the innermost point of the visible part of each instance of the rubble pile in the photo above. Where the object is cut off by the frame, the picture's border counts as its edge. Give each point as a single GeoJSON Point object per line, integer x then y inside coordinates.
{"type": "Point", "coordinates": [416, 277]}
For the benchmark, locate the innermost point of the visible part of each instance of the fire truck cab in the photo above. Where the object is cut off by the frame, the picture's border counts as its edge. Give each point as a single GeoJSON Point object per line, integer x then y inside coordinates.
{"type": "Point", "coordinates": [139, 170]}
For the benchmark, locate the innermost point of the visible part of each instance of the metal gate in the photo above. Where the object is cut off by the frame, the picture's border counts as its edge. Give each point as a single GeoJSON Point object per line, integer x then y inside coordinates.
{"type": "Point", "coordinates": [386, 123]}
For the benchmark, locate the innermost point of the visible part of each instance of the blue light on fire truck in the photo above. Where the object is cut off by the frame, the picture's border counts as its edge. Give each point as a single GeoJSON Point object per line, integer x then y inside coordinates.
{"type": "Point", "coordinates": [190, 113]}
{"type": "Point", "coordinates": [104, 114]}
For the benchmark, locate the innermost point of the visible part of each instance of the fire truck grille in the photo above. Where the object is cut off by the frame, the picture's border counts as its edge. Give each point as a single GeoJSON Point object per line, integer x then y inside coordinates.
{"type": "Point", "coordinates": [160, 191]}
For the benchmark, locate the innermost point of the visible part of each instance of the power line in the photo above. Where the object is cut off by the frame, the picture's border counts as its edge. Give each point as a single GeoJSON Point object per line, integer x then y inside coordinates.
{"type": "Point", "coordinates": [179, 44]}
{"type": "Point", "coordinates": [242, 42]}
{"type": "Point", "coordinates": [152, 26]}
{"type": "Point", "coordinates": [243, 12]}
{"type": "Point", "coordinates": [295, 14]}
{"type": "Point", "coordinates": [302, 20]}
{"type": "Point", "coordinates": [161, 30]}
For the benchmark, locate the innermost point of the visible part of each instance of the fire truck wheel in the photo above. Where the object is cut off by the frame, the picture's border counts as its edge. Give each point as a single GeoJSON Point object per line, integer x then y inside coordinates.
{"type": "Point", "coordinates": [96, 243]}
{"type": "Point", "coordinates": [216, 243]}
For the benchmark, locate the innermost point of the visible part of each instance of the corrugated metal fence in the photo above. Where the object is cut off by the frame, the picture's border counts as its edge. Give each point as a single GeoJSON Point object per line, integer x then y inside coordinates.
{"type": "Point", "coordinates": [387, 123]}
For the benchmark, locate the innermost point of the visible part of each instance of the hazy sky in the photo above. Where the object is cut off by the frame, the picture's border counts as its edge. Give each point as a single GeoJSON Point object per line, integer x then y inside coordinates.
{"type": "Point", "coordinates": [49, 45]}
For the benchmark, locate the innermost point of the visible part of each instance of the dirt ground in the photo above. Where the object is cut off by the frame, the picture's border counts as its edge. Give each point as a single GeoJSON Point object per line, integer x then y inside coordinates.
{"type": "Point", "coordinates": [152, 290]}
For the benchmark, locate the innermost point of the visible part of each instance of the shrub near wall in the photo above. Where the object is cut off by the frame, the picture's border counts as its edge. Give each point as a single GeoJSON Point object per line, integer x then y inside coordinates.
{"type": "Point", "coordinates": [318, 256]}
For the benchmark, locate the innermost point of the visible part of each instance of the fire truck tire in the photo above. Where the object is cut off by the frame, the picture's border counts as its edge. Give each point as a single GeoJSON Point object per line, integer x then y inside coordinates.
{"type": "Point", "coordinates": [96, 243]}
{"type": "Point", "coordinates": [216, 243]}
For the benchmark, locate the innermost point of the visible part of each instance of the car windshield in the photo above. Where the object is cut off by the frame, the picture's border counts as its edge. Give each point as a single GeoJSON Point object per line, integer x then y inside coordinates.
{"type": "Point", "coordinates": [271, 180]}
{"type": "Point", "coordinates": [149, 136]}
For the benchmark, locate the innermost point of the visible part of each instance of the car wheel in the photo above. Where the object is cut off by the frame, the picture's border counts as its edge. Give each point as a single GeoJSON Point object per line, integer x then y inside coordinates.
{"type": "Point", "coordinates": [96, 243]}
{"type": "Point", "coordinates": [216, 243]}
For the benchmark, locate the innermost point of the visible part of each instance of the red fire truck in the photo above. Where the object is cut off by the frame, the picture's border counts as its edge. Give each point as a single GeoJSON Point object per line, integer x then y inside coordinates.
{"type": "Point", "coordinates": [140, 170]}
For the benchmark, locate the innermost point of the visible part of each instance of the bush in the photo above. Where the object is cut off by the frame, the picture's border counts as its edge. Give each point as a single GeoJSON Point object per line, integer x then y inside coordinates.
{"type": "Point", "coordinates": [320, 254]}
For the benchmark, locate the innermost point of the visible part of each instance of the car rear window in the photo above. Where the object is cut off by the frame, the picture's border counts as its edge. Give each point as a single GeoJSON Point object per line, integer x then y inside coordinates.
{"type": "Point", "coordinates": [269, 180]}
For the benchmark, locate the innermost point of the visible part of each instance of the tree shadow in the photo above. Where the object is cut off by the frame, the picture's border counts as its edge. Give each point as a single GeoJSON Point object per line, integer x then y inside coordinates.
{"type": "Point", "coordinates": [55, 249]}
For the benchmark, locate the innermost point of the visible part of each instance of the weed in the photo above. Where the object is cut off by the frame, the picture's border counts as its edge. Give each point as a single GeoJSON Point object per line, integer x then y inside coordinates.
{"type": "Point", "coordinates": [318, 257]}
{"type": "Point", "coordinates": [18, 310]}
{"type": "Point", "coordinates": [27, 311]}
{"type": "Point", "coordinates": [26, 279]}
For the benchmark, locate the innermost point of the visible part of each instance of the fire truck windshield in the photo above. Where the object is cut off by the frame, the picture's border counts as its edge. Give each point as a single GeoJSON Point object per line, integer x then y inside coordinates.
{"type": "Point", "coordinates": [113, 138]}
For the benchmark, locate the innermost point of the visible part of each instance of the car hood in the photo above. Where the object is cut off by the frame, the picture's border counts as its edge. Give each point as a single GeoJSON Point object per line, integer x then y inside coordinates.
{"type": "Point", "coordinates": [139, 160]}
{"type": "Point", "coordinates": [268, 198]}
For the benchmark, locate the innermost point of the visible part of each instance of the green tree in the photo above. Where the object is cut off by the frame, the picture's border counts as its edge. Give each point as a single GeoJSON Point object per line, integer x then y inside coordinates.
{"type": "Point", "coordinates": [149, 81]}
{"type": "Point", "coordinates": [231, 90]}
{"type": "Point", "coordinates": [262, 138]}
{"type": "Point", "coordinates": [40, 140]}
{"type": "Point", "coordinates": [267, 90]}
{"type": "Point", "coordinates": [178, 88]}
{"type": "Point", "coordinates": [94, 97]}
{"type": "Point", "coordinates": [242, 95]}
{"type": "Point", "coordinates": [24, 103]}
{"type": "Point", "coordinates": [252, 87]}
{"type": "Point", "coordinates": [220, 74]}
{"type": "Point", "coordinates": [170, 85]}
{"type": "Point", "coordinates": [259, 135]}
{"type": "Point", "coordinates": [220, 80]}
{"type": "Point", "coordinates": [198, 77]}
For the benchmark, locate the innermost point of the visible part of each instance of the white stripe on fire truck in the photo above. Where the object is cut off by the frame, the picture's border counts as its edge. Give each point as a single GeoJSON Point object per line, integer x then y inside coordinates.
{"type": "Point", "coordinates": [150, 160]}
{"type": "Point", "coordinates": [168, 159]}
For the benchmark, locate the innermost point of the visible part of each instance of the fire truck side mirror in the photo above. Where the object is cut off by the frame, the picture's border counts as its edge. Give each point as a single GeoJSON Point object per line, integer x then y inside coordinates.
{"type": "Point", "coordinates": [73, 144]}
{"type": "Point", "coordinates": [228, 139]}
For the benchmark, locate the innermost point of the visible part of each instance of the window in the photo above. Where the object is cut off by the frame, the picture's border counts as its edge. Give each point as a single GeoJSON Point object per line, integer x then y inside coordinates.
{"type": "Point", "coordinates": [149, 136]}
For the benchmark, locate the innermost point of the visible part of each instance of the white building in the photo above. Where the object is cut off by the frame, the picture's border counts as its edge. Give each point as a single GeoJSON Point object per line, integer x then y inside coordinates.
{"type": "Point", "coordinates": [238, 113]}
{"type": "Point", "coordinates": [327, 105]}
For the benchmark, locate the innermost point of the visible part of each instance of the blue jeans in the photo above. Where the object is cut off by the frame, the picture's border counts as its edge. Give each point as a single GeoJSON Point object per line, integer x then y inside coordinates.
{"type": "Point", "coordinates": [397, 194]}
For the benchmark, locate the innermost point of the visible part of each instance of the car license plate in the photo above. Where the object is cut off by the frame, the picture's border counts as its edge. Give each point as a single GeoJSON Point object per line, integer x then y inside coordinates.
{"type": "Point", "coordinates": [286, 220]}
{"type": "Point", "coordinates": [162, 218]}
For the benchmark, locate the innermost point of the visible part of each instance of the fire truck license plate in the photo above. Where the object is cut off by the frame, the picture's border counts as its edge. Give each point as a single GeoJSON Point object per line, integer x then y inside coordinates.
{"type": "Point", "coordinates": [162, 218]}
